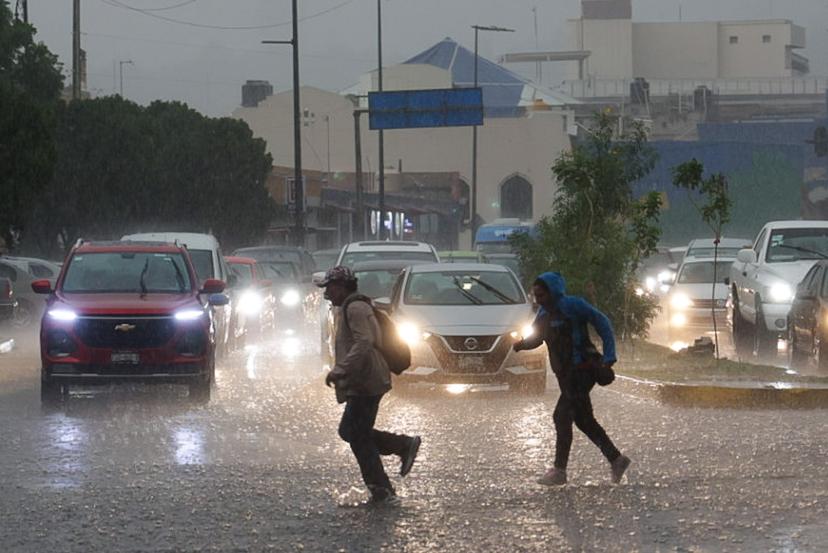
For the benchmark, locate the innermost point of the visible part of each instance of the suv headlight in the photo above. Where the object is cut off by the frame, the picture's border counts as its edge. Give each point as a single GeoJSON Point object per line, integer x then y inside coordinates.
{"type": "Point", "coordinates": [291, 298]}
{"type": "Point", "coordinates": [681, 301]}
{"type": "Point", "coordinates": [411, 334]}
{"type": "Point", "coordinates": [250, 303]}
{"type": "Point", "coordinates": [781, 292]}
{"type": "Point", "coordinates": [63, 315]}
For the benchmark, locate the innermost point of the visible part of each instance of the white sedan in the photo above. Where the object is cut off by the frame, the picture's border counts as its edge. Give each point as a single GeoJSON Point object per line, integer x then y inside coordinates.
{"type": "Point", "coordinates": [460, 321]}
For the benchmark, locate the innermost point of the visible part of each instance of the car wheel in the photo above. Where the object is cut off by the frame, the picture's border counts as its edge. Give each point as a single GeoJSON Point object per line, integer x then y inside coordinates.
{"type": "Point", "coordinates": [764, 341]}
{"type": "Point", "coordinates": [534, 385]}
{"type": "Point", "coordinates": [797, 359]}
{"type": "Point", "coordinates": [51, 393]}
{"type": "Point", "coordinates": [742, 333]}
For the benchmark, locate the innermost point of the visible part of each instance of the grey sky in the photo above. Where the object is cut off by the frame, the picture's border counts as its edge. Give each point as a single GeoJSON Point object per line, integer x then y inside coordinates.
{"type": "Point", "coordinates": [206, 67]}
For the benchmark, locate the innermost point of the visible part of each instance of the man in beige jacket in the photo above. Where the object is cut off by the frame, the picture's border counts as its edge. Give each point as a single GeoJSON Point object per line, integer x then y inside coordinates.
{"type": "Point", "coordinates": [361, 377]}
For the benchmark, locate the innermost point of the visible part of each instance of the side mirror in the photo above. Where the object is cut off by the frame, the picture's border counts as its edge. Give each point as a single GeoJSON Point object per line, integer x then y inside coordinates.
{"type": "Point", "coordinates": [746, 256]}
{"type": "Point", "coordinates": [42, 286]}
{"type": "Point", "coordinates": [318, 277]}
{"type": "Point", "coordinates": [213, 286]}
{"type": "Point", "coordinates": [219, 300]}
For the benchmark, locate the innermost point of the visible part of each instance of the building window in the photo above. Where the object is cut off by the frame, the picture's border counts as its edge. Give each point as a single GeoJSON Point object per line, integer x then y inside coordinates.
{"type": "Point", "coordinates": [516, 198]}
{"type": "Point", "coordinates": [766, 39]}
{"type": "Point", "coordinates": [734, 40]}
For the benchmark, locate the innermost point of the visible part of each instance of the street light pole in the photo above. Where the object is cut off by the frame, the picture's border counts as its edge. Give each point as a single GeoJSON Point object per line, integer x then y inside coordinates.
{"type": "Point", "coordinates": [121, 73]}
{"type": "Point", "coordinates": [382, 230]}
{"type": "Point", "coordinates": [298, 189]}
{"type": "Point", "coordinates": [477, 29]}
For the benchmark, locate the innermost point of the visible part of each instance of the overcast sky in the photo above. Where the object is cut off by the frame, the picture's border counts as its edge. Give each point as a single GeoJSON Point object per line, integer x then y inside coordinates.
{"type": "Point", "coordinates": [206, 67]}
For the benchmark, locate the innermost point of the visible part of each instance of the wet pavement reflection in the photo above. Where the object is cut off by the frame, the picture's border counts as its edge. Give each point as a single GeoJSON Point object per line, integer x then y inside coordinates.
{"type": "Point", "coordinates": [260, 468]}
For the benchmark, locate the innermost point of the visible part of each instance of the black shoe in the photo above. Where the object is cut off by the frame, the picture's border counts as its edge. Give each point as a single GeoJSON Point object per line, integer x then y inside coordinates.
{"type": "Point", "coordinates": [410, 456]}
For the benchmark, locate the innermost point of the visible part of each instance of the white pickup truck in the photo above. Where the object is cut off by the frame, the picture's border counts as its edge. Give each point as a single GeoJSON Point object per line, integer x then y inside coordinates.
{"type": "Point", "coordinates": [763, 281]}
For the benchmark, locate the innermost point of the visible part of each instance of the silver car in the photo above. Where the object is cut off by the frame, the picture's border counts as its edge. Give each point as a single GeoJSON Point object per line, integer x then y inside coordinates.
{"type": "Point", "coordinates": [460, 321]}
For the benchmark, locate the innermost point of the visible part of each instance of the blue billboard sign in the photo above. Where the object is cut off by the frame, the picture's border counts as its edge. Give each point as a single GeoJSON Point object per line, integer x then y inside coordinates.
{"type": "Point", "coordinates": [416, 109]}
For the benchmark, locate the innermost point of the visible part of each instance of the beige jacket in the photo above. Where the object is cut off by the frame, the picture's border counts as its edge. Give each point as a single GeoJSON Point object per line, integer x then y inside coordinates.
{"type": "Point", "coordinates": [363, 368]}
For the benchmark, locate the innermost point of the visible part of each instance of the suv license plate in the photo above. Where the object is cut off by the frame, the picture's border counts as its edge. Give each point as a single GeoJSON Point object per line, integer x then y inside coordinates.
{"type": "Point", "coordinates": [125, 358]}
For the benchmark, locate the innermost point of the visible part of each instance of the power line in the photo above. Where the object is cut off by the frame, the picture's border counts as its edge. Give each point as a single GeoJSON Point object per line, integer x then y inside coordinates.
{"type": "Point", "coordinates": [118, 4]}
{"type": "Point", "coordinates": [165, 8]}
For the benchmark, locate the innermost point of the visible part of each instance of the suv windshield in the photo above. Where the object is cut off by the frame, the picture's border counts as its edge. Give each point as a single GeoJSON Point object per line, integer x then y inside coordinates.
{"type": "Point", "coordinates": [243, 272]}
{"type": "Point", "coordinates": [352, 258]}
{"type": "Point", "coordinates": [462, 288]}
{"type": "Point", "coordinates": [702, 272]}
{"type": "Point", "coordinates": [277, 270]}
{"type": "Point", "coordinates": [159, 273]}
{"type": "Point", "coordinates": [797, 244]}
{"type": "Point", "coordinates": [704, 251]}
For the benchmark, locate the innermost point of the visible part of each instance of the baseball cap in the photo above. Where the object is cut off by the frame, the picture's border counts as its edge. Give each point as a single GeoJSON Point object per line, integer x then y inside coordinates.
{"type": "Point", "coordinates": [339, 273]}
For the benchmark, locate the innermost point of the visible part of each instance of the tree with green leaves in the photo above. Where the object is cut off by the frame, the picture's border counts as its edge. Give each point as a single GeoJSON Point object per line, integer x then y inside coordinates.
{"type": "Point", "coordinates": [124, 168]}
{"type": "Point", "coordinates": [711, 199]}
{"type": "Point", "coordinates": [599, 232]}
{"type": "Point", "coordinates": [30, 87]}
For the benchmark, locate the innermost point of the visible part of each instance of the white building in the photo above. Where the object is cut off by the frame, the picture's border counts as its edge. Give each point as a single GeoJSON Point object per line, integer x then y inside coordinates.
{"type": "Point", "coordinates": [525, 129]}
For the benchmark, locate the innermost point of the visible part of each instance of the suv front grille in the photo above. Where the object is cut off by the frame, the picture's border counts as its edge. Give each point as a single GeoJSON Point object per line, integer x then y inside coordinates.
{"type": "Point", "coordinates": [125, 332]}
{"type": "Point", "coordinates": [464, 362]}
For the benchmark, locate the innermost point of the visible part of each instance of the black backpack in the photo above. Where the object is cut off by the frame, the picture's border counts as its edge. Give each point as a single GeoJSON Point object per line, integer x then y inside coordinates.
{"type": "Point", "coordinates": [394, 350]}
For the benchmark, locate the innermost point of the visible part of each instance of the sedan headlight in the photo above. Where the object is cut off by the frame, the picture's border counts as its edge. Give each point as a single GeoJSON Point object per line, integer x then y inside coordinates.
{"type": "Point", "coordinates": [64, 315]}
{"type": "Point", "coordinates": [291, 298]}
{"type": "Point", "coordinates": [681, 301]}
{"type": "Point", "coordinates": [527, 331]}
{"type": "Point", "coordinates": [250, 303]}
{"type": "Point", "coordinates": [411, 334]}
{"type": "Point", "coordinates": [781, 292]}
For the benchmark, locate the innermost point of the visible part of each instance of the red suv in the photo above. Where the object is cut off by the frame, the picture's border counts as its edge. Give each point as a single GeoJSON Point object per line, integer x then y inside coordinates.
{"type": "Point", "coordinates": [128, 311]}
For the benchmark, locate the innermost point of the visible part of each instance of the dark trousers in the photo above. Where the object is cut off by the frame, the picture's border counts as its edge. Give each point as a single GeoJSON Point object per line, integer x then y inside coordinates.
{"type": "Point", "coordinates": [576, 407]}
{"type": "Point", "coordinates": [357, 428]}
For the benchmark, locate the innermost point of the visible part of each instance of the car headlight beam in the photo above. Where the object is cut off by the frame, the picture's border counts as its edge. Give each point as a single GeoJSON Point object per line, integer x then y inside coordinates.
{"type": "Point", "coordinates": [290, 298]}
{"type": "Point", "coordinates": [189, 315]}
{"type": "Point", "coordinates": [681, 301]}
{"type": "Point", "coordinates": [411, 334]}
{"type": "Point", "coordinates": [781, 292]}
{"type": "Point", "coordinates": [250, 303]}
{"type": "Point", "coordinates": [64, 315]}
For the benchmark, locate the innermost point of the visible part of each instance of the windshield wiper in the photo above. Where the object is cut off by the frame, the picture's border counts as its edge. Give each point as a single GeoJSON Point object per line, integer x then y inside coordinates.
{"type": "Point", "coordinates": [503, 297]}
{"type": "Point", "coordinates": [471, 297]}
{"type": "Point", "coordinates": [801, 249]}
{"type": "Point", "coordinates": [144, 272]}
{"type": "Point", "coordinates": [179, 277]}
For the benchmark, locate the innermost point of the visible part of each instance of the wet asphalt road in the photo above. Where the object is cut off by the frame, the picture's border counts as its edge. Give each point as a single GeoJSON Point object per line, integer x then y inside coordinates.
{"type": "Point", "coordinates": [261, 469]}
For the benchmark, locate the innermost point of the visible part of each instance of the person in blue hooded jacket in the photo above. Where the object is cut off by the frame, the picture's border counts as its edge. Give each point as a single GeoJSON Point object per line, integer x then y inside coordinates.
{"type": "Point", "coordinates": [563, 323]}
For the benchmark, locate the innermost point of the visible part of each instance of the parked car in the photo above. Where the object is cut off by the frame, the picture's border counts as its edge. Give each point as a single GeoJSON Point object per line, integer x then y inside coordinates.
{"type": "Point", "coordinates": [209, 263]}
{"type": "Point", "coordinates": [376, 280]}
{"type": "Point", "coordinates": [763, 281]}
{"type": "Point", "coordinates": [325, 259]}
{"type": "Point", "coordinates": [461, 257]}
{"type": "Point", "coordinates": [8, 303]}
{"type": "Point", "coordinates": [296, 255]}
{"type": "Point", "coordinates": [255, 311]}
{"type": "Point", "coordinates": [358, 252]}
{"type": "Point", "coordinates": [38, 268]}
{"type": "Point", "coordinates": [461, 320]}
{"type": "Point", "coordinates": [657, 272]}
{"type": "Point", "coordinates": [728, 247]}
{"type": "Point", "coordinates": [128, 311]}
{"type": "Point", "coordinates": [698, 297]}
{"type": "Point", "coordinates": [808, 320]}
{"type": "Point", "coordinates": [30, 306]}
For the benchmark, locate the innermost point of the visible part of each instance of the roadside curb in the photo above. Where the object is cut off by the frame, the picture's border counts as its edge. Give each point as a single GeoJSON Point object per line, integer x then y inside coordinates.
{"type": "Point", "coordinates": [732, 397]}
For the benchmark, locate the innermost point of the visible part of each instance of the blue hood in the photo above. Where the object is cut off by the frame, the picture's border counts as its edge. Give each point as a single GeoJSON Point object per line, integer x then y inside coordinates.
{"type": "Point", "coordinates": [556, 284]}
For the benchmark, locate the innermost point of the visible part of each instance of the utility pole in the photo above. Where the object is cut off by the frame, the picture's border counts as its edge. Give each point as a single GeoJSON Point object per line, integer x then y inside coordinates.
{"type": "Point", "coordinates": [538, 66]}
{"type": "Point", "coordinates": [382, 232]}
{"type": "Point", "coordinates": [121, 64]}
{"type": "Point", "coordinates": [477, 29]}
{"type": "Point", "coordinates": [76, 69]}
{"type": "Point", "coordinates": [360, 200]}
{"type": "Point", "coordinates": [298, 188]}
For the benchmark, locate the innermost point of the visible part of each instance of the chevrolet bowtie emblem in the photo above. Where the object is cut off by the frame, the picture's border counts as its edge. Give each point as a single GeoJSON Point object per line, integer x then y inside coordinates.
{"type": "Point", "coordinates": [125, 327]}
